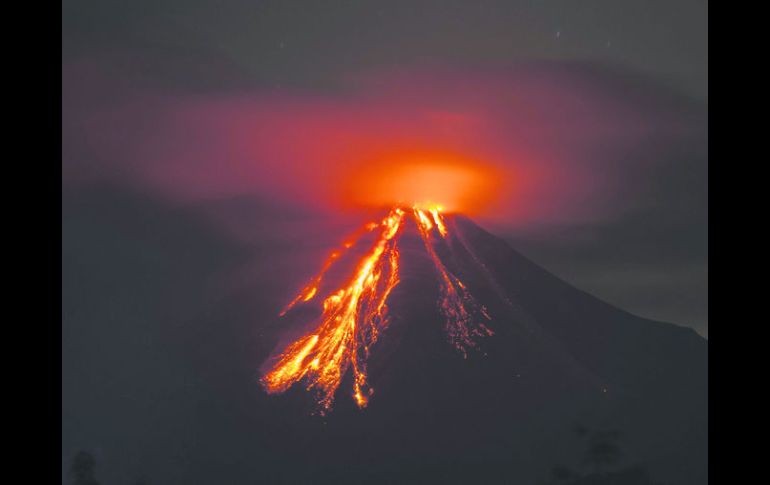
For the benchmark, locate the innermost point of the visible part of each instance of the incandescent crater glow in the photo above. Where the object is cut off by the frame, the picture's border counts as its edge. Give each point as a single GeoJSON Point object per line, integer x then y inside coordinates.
{"type": "Point", "coordinates": [454, 183]}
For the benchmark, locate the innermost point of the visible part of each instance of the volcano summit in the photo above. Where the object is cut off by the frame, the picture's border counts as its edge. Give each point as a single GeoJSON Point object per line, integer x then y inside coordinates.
{"type": "Point", "coordinates": [355, 314]}
{"type": "Point", "coordinates": [481, 362]}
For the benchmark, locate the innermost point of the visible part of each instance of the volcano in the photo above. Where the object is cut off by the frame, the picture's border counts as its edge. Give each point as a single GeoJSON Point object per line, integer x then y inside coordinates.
{"type": "Point", "coordinates": [427, 350]}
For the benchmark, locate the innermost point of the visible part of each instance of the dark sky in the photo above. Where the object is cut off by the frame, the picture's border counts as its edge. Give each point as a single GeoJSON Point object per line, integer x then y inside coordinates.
{"type": "Point", "coordinates": [650, 256]}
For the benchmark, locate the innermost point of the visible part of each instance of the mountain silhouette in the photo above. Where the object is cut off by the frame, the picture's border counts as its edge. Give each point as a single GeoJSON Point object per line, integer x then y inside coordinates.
{"type": "Point", "coordinates": [506, 413]}
{"type": "Point", "coordinates": [167, 318]}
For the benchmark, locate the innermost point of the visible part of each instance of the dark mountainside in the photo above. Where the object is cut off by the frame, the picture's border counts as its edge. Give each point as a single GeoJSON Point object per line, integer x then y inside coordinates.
{"type": "Point", "coordinates": [564, 371]}
{"type": "Point", "coordinates": [559, 358]}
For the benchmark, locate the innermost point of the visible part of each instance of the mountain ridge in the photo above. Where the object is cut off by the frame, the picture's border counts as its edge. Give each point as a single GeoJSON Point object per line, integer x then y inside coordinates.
{"type": "Point", "coordinates": [558, 356]}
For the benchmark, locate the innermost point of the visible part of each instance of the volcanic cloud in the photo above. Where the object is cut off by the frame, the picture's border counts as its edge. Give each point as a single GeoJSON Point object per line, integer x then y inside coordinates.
{"type": "Point", "coordinates": [527, 144]}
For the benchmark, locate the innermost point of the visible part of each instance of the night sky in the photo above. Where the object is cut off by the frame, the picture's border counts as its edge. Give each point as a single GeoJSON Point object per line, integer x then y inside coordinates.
{"type": "Point", "coordinates": [214, 129]}
{"type": "Point", "coordinates": [648, 256]}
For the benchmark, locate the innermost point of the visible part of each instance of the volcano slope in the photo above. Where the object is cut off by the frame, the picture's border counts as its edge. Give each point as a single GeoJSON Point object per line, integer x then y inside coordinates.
{"type": "Point", "coordinates": [559, 364]}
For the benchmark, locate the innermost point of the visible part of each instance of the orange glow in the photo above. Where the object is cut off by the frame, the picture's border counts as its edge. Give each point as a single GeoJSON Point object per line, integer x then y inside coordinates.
{"type": "Point", "coordinates": [354, 315]}
{"type": "Point", "coordinates": [456, 303]}
{"type": "Point", "coordinates": [438, 220]}
{"type": "Point", "coordinates": [459, 184]}
{"type": "Point", "coordinates": [310, 290]}
{"type": "Point", "coordinates": [351, 321]}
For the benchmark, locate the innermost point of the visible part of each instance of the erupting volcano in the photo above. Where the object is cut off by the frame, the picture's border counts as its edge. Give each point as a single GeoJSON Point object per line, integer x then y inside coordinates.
{"type": "Point", "coordinates": [448, 335]}
{"type": "Point", "coordinates": [354, 315]}
{"type": "Point", "coordinates": [475, 353]}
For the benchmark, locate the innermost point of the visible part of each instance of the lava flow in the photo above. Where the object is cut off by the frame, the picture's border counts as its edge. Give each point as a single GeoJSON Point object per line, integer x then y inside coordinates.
{"type": "Point", "coordinates": [457, 304]}
{"type": "Point", "coordinates": [354, 315]}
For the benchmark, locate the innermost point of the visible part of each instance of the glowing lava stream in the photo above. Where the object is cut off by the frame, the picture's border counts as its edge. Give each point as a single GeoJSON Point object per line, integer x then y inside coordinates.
{"type": "Point", "coordinates": [456, 303]}
{"type": "Point", "coordinates": [354, 315]}
{"type": "Point", "coordinates": [310, 290]}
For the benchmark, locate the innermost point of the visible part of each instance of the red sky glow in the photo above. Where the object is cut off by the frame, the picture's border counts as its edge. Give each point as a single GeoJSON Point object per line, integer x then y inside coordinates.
{"type": "Point", "coordinates": [519, 145]}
